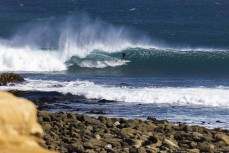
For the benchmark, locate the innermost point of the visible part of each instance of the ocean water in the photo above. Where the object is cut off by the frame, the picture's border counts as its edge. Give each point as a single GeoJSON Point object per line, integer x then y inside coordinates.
{"type": "Point", "coordinates": [176, 65]}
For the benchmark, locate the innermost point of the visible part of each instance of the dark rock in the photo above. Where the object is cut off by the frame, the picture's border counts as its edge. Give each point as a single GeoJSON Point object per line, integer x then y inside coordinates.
{"type": "Point", "coordinates": [76, 147]}
{"type": "Point", "coordinates": [92, 121]}
{"type": "Point", "coordinates": [134, 142]}
{"type": "Point", "coordinates": [218, 121]}
{"type": "Point", "coordinates": [106, 101]}
{"type": "Point", "coordinates": [114, 142]}
{"type": "Point", "coordinates": [97, 112]}
{"type": "Point", "coordinates": [95, 143]}
{"type": "Point", "coordinates": [88, 145]}
{"type": "Point", "coordinates": [151, 118]}
{"type": "Point", "coordinates": [124, 84]}
{"type": "Point", "coordinates": [141, 150]}
{"type": "Point", "coordinates": [45, 116]}
{"type": "Point", "coordinates": [6, 78]}
{"type": "Point", "coordinates": [133, 150]}
{"type": "Point", "coordinates": [111, 150]}
{"type": "Point", "coordinates": [71, 116]}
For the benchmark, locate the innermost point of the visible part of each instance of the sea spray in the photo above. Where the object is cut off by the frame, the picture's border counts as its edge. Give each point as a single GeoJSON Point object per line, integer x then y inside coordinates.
{"type": "Point", "coordinates": [48, 45]}
{"type": "Point", "coordinates": [29, 59]}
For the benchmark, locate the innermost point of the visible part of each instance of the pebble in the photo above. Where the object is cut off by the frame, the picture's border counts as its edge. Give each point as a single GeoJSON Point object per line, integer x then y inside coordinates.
{"type": "Point", "coordinates": [67, 132]}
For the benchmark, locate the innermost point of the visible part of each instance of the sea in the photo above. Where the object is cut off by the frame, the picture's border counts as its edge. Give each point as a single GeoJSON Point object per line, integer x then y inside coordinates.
{"type": "Point", "coordinates": [176, 66]}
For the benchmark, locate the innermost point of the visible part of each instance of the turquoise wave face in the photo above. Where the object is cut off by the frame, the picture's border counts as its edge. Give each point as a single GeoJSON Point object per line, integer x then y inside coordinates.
{"type": "Point", "coordinates": [140, 61]}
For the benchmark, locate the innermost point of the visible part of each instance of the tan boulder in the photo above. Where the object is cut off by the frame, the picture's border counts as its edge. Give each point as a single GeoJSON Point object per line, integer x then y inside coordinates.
{"type": "Point", "coordinates": [171, 143]}
{"type": "Point", "coordinates": [19, 130]}
{"type": "Point", "coordinates": [222, 137]}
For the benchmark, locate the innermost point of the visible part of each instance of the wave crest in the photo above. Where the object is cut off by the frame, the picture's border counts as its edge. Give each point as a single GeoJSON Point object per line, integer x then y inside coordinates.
{"type": "Point", "coordinates": [47, 46]}
{"type": "Point", "coordinates": [80, 42]}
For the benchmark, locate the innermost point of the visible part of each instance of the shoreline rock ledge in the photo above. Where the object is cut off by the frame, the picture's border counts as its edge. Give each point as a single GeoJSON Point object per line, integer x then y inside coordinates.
{"type": "Point", "coordinates": [19, 130]}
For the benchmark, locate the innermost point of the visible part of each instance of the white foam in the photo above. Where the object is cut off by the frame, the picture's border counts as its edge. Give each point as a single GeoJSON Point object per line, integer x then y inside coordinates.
{"type": "Point", "coordinates": [132, 9]}
{"type": "Point", "coordinates": [169, 95]}
{"type": "Point", "coordinates": [28, 59]}
{"type": "Point", "coordinates": [102, 64]}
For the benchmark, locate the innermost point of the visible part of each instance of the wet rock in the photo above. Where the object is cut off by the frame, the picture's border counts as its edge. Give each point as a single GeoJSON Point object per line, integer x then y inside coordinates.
{"type": "Point", "coordinates": [106, 101]}
{"type": "Point", "coordinates": [6, 78]}
{"type": "Point", "coordinates": [151, 118]}
{"type": "Point", "coordinates": [97, 112]}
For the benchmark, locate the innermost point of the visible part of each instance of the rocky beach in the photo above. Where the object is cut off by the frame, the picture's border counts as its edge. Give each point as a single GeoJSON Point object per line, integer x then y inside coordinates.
{"type": "Point", "coordinates": [66, 132]}
{"type": "Point", "coordinates": [76, 133]}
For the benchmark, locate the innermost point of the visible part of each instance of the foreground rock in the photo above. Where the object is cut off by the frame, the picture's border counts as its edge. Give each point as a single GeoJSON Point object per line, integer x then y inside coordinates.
{"type": "Point", "coordinates": [69, 133]}
{"type": "Point", "coordinates": [19, 130]}
{"type": "Point", "coordinates": [6, 78]}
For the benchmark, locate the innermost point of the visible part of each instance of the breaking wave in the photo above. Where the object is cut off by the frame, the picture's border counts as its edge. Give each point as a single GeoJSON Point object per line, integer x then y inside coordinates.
{"type": "Point", "coordinates": [81, 44]}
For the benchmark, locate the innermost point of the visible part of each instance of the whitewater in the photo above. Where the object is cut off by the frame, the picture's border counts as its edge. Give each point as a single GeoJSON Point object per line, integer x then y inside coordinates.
{"type": "Point", "coordinates": [181, 96]}
{"type": "Point", "coordinates": [173, 100]}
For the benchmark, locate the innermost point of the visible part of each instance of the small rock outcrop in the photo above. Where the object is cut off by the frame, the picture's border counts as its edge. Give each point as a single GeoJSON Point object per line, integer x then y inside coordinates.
{"type": "Point", "coordinates": [19, 130]}
{"type": "Point", "coordinates": [6, 78]}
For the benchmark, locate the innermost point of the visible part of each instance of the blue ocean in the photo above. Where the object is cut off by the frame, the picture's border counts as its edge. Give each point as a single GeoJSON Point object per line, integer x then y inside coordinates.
{"type": "Point", "coordinates": [176, 64]}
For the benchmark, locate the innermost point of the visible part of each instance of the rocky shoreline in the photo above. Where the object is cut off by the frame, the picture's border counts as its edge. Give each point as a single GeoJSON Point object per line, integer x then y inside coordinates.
{"type": "Point", "coordinates": [75, 133]}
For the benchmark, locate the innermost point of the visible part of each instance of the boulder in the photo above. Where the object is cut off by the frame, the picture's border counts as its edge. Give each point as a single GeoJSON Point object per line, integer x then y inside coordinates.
{"type": "Point", "coordinates": [222, 137]}
{"type": "Point", "coordinates": [77, 147]}
{"type": "Point", "coordinates": [171, 143]}
{"type": "Point", "coordinates": [6, 78]}
{"type": "Point", "coordinates": [153, 141]}
{"type": "Point", "coordinates": [193, 150]}
{"type": "Point", "coordinates": [114, 142]}
{"type": "Point", "coordinates": [19, 130]}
